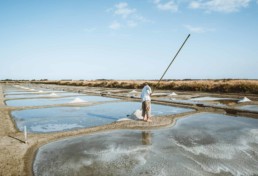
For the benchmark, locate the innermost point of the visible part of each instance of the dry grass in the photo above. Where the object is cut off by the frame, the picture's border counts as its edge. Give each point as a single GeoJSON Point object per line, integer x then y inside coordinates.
{"type": "Point", "coordinates": [220, 86]}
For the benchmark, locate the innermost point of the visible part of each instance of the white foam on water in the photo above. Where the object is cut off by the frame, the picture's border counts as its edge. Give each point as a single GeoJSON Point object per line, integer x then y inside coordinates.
{"type": "Point", "coordinates": [245, 99]}
{"type": "Point", "coordinates": [216, 151]}
{"type": "Point", "coordinates": [238, 158]}
{"type": "Point", "coordinates": [54, 127]}
{"type": "Point", "coordinates": [253, 135]}
{"type": "Point", "coordinates": [228, 167]}
{"type": "Point", "coordinates": [254, 132]}
{"type": "Point", "coordinates": [87, 162]}
{"type": "Point", "coordinates": [78, 100]}
{"type": "Point", "coordinates": [115, 153]}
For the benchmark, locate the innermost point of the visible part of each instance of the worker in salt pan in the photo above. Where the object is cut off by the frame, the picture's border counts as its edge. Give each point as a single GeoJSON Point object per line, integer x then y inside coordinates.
{"type": "Point", "coordinates": [146, 102]}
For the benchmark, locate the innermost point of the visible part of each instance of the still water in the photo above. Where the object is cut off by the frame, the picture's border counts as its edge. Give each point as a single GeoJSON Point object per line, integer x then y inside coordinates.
{"type": "Point", "coordinates": [67, 118]}
{"type": "Point", "coordinates": [53, 101]}
{"type": "Point", "coordinates": [200, 144]}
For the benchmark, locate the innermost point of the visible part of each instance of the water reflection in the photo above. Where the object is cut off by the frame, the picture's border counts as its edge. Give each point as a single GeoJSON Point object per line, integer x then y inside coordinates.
{"type": "Point", "coordinates": [68, 118]}
{"type": "Point", "coordinates": [203, 144]}
{"type": "Point", "coordinates": [249, 107]}
{"type": "Point", "coordinates": [54, 101]}
{"type": "Point", "coordinates": [146, 138]}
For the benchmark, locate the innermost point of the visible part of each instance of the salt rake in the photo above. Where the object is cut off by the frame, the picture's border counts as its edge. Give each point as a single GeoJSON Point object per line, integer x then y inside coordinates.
{"type": "Point", "coordinates": [170, 63]}
{"type": "Point", "coordinates": [135, 112]}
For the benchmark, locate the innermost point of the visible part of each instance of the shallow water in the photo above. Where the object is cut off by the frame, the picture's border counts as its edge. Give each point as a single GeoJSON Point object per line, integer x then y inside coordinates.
{"type": "Point", "coordinates": [28, 92]}
{"type": "Point", "coordinates": [193, 102]}
{"type": "Point", "coordinates": [53, 101]}
{"type": "Point", "coordinates": [201, 144]}
{"type": "Point", "coordinates": [43, 94]}
{"type": "Point", "coordinates": [211, 99]}
{"type": "Point", "coordinates": [250, 107]}
{"type": "Point", "coordinates": [66, 118]}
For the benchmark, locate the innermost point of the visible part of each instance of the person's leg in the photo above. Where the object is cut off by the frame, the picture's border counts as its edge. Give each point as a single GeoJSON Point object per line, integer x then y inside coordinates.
{"type": "Point", "coordinates": [148, 110]}
{"type": "Point", "coordinates": [144, 110]}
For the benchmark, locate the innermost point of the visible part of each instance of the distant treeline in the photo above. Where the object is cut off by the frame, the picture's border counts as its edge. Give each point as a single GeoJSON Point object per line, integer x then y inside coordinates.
{"type": "Point", "coordinates": [219, 86]}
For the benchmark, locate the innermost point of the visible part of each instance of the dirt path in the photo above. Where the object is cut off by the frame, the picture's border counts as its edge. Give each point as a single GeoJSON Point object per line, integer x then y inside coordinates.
{"type": "Point", "coordinates": [12, 150]}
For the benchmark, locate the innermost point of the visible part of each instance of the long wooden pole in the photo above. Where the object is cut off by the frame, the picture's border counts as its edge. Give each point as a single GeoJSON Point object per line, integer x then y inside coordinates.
{"type": "Point", "coordinates": [171, 63]}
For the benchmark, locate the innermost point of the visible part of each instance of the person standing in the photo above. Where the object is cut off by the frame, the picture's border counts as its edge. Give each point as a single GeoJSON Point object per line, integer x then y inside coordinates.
{"type": "Point", "coordinates": [146, 102]}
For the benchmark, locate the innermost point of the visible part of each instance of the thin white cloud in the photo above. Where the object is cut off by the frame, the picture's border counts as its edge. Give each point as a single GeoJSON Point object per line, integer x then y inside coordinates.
{"type": "Point", "coordinates": [115, 25]}
{"type": "Point", "coordinates": [125, 16]}
{"type": "Point", "coordinates": [166, 6]}
{"type": "Point", "coordinates": [198, 29]}
{"type": "Point", "coordinates": [123, 10]}
{"type": "Point", "coordinates": [226, 6]}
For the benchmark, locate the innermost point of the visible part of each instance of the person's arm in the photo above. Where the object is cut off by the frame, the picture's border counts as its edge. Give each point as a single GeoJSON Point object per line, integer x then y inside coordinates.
{"type": "Point", "coordinates": [149, 91]}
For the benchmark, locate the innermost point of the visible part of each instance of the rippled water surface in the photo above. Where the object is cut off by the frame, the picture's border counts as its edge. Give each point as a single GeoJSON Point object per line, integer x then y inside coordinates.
{"type": "Point", "coordinates": [201, 144]}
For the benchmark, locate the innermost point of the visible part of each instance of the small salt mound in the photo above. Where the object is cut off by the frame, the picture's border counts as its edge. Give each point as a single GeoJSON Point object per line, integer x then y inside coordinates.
{"type": "Point", "coordinates": [133, 92]}
{"type": "Point", "coordinates": [77, 100]}
{"type": "Point", "coordinates": [53, 95]}
{"type": "Point", "coordinates": [172, 94]}
{"type": "Point", "coordinates": [40, 91]}
{"type": "Point", "coordinates": [245, 99]}
{"type": "Point", "coordinates": [137, 115]}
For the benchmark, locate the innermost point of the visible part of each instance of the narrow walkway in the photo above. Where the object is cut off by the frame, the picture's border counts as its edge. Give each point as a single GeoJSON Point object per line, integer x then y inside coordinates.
{"type": "Point", "coordinates": [12, 150]}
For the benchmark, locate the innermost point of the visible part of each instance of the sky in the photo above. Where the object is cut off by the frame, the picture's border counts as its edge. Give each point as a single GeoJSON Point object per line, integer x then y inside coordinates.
{"type": "Point", "coordinates": [128, 39]}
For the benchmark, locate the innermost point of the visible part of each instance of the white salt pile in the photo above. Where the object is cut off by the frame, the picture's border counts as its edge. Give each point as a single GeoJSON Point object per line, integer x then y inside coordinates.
{"type": "Point", "coordinates": [77, 100]}
{"type": "Point", "coordinates": [133, 92]}
{"type": "Point", "coordinates": [172, 94]}
{"type": "Point", "coordinates": [53, 95]}
{"type": "Point", "coordinates": [40, 91]}
{"type": "Point", "coordinates": [25, 88]}
{"type": "Point", "coordinates": [245, 99]}
{"type": "Point", "coordinates": [137, 115]}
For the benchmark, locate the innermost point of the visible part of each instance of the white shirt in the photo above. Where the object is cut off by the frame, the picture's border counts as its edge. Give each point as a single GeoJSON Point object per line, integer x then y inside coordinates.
{"type": "Point", "coordinates": [145, 95]}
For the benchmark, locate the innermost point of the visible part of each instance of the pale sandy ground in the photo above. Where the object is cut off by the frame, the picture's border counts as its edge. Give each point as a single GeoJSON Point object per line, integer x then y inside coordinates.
{"type": "Point", "coordinates": [16, 157]}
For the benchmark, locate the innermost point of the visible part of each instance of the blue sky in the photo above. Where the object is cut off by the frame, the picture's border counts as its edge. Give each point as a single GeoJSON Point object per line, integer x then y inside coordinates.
{"type": "Point", "coordinates": [133, 39]}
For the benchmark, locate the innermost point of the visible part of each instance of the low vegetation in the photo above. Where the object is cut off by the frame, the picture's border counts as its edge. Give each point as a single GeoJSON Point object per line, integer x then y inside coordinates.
{"type": "Point", "coordinates": [220, 86]}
